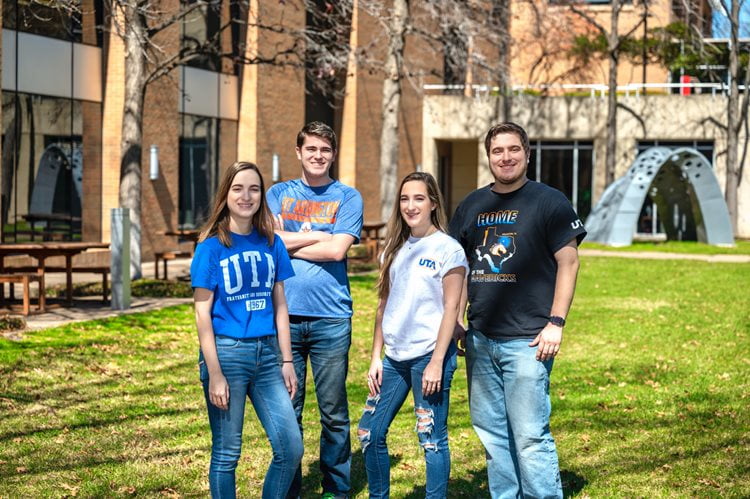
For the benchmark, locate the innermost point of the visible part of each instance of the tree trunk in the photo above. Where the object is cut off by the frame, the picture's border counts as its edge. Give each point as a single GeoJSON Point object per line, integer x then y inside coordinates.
{"type": "Point", "coordinates": [501, 15]}
{"type": "Point", "coordinates": [132, 132]}
{"type": "Point", "coordinates": [390, 108]}
{"type": "Point", "coordinates": [733, 118]}
{"type": "Point", "coordinates": [614, 50]}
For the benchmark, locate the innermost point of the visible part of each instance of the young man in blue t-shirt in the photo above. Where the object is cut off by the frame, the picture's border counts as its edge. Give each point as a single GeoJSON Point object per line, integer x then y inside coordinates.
{"type": "Point", "coordinates": [318, 219]}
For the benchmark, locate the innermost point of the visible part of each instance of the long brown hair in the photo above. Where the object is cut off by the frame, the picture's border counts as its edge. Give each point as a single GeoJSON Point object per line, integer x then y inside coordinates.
{"type": "Point", "coordinates": [398, 231]}
{"type": "Point", "coordinates": [218, 223]}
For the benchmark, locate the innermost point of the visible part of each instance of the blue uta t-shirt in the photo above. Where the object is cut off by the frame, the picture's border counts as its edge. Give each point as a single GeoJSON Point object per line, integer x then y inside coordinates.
{"type": "Point", "coordinates": [242, 279]}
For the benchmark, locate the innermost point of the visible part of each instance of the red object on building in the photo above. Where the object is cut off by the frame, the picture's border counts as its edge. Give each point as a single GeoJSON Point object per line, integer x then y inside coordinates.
{"type": "Point", "coordinates": [685, 90]}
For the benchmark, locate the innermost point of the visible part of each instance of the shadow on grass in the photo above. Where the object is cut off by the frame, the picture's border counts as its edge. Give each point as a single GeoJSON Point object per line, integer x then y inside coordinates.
{"type": "Point", "coordinates": [311, 481]}
{"type": "Point", "coordinates": [115, 418]}
{"type": "Point", "coordinates": [475, 485]}
{"type": "Point", "coordinates": [87, 462]}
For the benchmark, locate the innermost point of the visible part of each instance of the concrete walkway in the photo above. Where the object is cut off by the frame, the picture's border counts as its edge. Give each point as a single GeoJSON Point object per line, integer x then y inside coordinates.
{"type": "Point", "coordinates": [91, 308]}
{"type": "Point", "coordinates": [656, 255]}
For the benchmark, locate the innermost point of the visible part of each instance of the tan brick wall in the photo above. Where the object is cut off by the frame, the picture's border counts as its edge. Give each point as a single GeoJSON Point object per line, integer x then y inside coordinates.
{"type": "Point", "coordinates": [227, 144]}
{"type": "Point", "coordinates": [112, 109]}
{"type": "Point", "coordinates": [281, 96]}
{"type": "Point", "coordinates": [161, 127]}
{"type": "Point", "coordinates": [91, 209]}
{"type": "Point", "coordinates": [552, 32]}
{"type": "Point", "coordinates": [369, 89]}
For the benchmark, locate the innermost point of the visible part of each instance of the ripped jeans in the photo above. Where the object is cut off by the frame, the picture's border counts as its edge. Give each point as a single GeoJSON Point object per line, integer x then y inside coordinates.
{"type": "Point", "coordinates": [431, 414]}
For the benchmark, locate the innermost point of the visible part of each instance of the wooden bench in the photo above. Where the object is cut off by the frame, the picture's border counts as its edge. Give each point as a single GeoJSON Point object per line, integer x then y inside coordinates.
{"type": "Point", "coordinates": [25, 279]}
{"type": "Point", "coordinates": [165, 256]}
{"type": "Point", "coordinates": [104, 271]}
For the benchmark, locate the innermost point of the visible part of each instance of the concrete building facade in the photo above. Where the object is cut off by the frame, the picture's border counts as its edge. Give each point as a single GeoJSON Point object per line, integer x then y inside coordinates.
{"type": "Point", "coordinates": [63, 94]}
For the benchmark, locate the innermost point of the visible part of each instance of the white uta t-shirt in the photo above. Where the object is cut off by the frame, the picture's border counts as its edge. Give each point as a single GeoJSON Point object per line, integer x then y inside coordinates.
{"type": "Point", "coordinates": [414, 307]}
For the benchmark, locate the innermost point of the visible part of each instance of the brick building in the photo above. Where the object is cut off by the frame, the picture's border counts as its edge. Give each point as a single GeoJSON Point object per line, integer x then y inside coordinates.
{"type": "Point", "coordinates": [63, 93]}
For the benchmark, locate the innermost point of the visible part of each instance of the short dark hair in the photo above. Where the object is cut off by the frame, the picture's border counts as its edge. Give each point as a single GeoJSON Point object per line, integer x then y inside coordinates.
{"type": "Point", "coordinates": [318, 129]}
{"type": "Point", "coordinates": [507, 127]}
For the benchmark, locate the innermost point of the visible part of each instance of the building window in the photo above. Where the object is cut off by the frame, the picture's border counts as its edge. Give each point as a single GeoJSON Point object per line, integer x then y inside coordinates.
{"type": "Point", "coordinates": [42, 168]}
{"type": "Point", "coordinates": [200, 33]}
{"type": "Point", "coordinates": [76, 21]}
{"type": "Point", "coordinates": [567, 166]}
{"type": "Point", "coordinates": [199, 166]}
{"type": "Point", "coordinates": [43, 18]}
{"type": "Point", "coordinates": [705, 147]}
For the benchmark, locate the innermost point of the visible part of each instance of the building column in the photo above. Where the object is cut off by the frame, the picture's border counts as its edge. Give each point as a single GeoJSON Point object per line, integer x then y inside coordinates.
{"type": "Point", "coordinates": [347, 160]}
{"type": "Point", "coordinates": [113, 105]}
{"type": "Point", "coordinates": [247, 127]}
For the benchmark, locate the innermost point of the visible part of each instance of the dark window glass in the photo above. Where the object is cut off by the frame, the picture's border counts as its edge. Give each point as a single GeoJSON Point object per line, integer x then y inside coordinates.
{"type": "Point", "coordinates": [199, 153]}
{"type": "Point", "coordinates": [42, 168]}
{"type": "Point", "coordinates": [568, 167]}
{"type": "Point", "coordinates": [200, 34]}
{"type": "Point", "coordinates": [705, 147]}
{"type": "Point", "coordinates": [43, 18]}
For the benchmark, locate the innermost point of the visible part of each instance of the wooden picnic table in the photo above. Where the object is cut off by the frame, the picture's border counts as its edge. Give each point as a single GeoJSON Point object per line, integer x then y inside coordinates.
{"type": "Point", "coordinates": [54, 223]}
{"type": "Point", "coordinates": [42, 250]}
{"type": "Point", "coordinates": [371, 230]}
{"type": "Point", "coordinates": [371, 239]}
{"type": "Point", "coordinates": [189, 234]}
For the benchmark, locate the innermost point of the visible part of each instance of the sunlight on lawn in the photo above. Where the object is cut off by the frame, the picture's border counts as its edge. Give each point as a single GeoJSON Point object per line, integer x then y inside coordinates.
{"type": "Point", "coordinates": [649, 398]}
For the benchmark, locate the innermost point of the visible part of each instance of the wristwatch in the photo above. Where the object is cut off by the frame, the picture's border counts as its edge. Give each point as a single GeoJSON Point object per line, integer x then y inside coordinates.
{"type": "Point", "coordinates": [557, 320]}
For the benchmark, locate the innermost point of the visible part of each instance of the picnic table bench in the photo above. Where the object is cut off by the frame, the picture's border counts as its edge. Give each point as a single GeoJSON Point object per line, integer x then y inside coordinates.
{"type": "Point", "coordinates": [40, 252]}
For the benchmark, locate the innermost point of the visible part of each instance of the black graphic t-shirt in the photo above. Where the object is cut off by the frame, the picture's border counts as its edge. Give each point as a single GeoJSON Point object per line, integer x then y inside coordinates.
{"type": "Point", "coordinates": [510, 241]}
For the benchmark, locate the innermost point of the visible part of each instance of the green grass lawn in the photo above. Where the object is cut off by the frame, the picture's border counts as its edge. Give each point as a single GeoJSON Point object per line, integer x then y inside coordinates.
{"type": "Point", "coordinates": [649, 395]}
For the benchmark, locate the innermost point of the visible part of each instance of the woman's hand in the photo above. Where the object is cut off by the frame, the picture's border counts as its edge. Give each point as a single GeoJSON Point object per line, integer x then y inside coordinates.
{"type": "Point", "coordinates": [375, 376]}
{"type": "Point", "coordinates": [290, 378]}
{"type": "Point", "coordinates": [432, 377]}
{"type": "Point", "coordinates": [218, 391]}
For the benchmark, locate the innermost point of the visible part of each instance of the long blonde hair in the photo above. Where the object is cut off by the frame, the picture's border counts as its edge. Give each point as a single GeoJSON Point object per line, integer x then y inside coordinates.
{"type": "Point", "coordinates": [218, 223]}
{"type": "Point", "coordinates": [398, 231]}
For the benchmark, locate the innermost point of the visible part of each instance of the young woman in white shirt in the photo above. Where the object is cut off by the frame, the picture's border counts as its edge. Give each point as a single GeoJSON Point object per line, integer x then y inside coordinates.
{"type": "Point", "coordinates": [419, 289]}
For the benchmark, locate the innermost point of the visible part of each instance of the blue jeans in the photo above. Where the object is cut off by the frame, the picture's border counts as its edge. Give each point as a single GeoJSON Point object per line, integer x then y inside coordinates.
{"type": "Point", "coordinates": [251, 369]}
{"type": "Point", "coordinates": [326, 343]}
{"type": "Point", "coordinates": [432, 423]}
{"type": "Point", "coordinates": [510, 411]}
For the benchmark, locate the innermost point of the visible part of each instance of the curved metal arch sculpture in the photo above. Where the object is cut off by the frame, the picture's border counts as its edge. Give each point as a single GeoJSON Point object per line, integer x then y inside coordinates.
{"type": "Point", "coordinates": [686, 192]}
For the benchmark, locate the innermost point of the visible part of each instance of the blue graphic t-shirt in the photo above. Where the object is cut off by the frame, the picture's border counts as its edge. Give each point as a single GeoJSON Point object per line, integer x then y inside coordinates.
{"type": "Point", "coordinates": [318, 289]}
{"type": "Point", "coordinates": [242, 279]}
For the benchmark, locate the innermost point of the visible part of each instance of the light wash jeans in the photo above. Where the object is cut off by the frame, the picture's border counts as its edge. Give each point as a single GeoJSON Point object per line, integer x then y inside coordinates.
{"type": "Point", "coordinates": [400, 377]}
{"type": "Point", "coordinates": [325, 342]}
{"type": "Point", "coordinates": [251, 368]}
{"type": "Point", "coordinates": [510, 411]}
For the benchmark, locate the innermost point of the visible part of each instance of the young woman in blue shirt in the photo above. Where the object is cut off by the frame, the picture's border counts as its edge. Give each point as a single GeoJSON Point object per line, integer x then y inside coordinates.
{"type": "Point", "coordinates": [243, 331]}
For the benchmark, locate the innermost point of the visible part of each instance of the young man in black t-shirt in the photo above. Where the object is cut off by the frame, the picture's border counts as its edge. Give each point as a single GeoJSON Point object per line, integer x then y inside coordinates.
{"type": "Point", "coordinates": [521, 238]}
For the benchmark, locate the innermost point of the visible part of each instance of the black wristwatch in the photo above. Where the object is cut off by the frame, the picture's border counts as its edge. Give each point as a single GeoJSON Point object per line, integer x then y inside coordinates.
{"type": "Point", "coordinates": [557, 320]}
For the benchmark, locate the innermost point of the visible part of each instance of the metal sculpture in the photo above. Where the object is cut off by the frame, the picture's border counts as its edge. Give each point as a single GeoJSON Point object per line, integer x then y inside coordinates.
{"type": "Point", "coordinates": [686, 192]}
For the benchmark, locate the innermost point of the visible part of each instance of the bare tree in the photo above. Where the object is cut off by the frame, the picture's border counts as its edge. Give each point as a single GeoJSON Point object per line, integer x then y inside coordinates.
{"type": "Point", "coordinates": [148, 58]}
{"type": "Point", "coordinates": [470, 38]}
{"type": "Point", "coordinates": [397, 27]}
{"type": "Point", "coordinates": [737, 110]}
{"type": "Point", "coordinates": [612, 47]}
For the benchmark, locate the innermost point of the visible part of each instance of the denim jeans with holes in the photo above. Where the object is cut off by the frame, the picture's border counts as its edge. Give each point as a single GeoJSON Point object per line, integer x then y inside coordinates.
{"type": "Point", "coordinates": [510, 411]}
{"type": "Point", "coordinates": [252, 370]}
{"type": "Point", "coordinates": [431, 426]}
